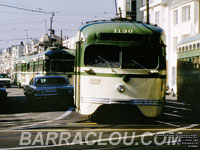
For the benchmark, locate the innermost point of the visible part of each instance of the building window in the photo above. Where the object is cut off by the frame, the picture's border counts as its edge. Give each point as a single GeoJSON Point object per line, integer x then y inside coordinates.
{"type": "Point", "coordinates": [144, 3]}
{"type": "Point", "coordinates": [128, 8]}
{"type": "Point", "coordinates": [175, 43]}
{"type": "Point", "coordinates": [173, 76]}
{"type": "Point", "coordinates": [157, 18]}
{"type": "Point", "coordinates": [186, 13]}
{"type": "Point", "coordinates": [175, 17]}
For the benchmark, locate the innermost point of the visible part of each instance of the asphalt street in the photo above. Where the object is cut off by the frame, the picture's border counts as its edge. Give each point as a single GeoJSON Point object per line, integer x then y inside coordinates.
{"type": "Point", "coordinates": [58, 126]}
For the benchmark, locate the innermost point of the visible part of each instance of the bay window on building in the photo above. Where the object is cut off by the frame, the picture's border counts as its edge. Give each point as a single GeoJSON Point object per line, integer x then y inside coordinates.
{"type": "Point", "coordinates": [186, 13]}
{"type": "Point", "coordinates": [157, 18]}
{"type": "Point", "coordinates": [175, 17]}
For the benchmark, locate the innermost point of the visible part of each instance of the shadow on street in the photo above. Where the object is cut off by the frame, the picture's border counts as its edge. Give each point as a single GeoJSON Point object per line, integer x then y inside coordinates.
{"type": "Point", "coordinates": [10, 105]}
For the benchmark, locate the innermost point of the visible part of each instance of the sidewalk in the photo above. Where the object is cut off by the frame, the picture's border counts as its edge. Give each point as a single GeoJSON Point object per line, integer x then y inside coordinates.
{"type": "Point", "coordinates": [171, 97]}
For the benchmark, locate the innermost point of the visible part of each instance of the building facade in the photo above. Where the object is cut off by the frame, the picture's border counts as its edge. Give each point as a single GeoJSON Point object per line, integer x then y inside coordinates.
{"type": "Point", "coordinates": [179, 19]}
{"type": "Point", "coordinates": [130, 9]}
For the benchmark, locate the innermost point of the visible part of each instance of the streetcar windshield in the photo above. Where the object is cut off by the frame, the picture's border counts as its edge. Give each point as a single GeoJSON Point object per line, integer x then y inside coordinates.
{"type": "Point", "coordinates": [102, 56]}
{"type": "Point", "coordinates": [140, 58]}
{"type": "Point", "coordinates": [62, 66]}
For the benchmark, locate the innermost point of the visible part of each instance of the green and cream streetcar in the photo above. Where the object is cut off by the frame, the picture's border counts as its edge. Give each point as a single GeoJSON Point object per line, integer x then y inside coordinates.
{"type": "Point", "coordinates": [120, 63]}
{"type": "Point", "coordinates": [53, 61]}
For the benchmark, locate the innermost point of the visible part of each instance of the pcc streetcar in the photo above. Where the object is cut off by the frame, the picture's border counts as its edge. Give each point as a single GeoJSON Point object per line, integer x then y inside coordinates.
{"type": "Point", "coordinates": [53, 61]}
{"type": "Point", "coordinates": [120, 63]}
{"type": "Point", "coordinates": [188, 71]}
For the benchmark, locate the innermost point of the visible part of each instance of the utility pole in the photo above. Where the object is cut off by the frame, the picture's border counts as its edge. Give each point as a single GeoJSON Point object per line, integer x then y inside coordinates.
{"type": "Point", "coordinates": [28, 50]}
{"type": "Point", "coordinates": [51, 30]}
{"type": "Point", "coordinates": [120, 13]}
{"type": "Point", "coordinates": [147, 5]}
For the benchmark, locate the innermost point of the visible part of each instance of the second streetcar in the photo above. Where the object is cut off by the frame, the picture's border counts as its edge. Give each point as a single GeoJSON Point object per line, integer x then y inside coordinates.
{"type": "Point", "coordinates": [54, 61]}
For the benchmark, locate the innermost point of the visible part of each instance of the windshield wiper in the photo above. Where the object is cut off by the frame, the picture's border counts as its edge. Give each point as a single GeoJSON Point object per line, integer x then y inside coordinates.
{"type": "Point", "coordinates": [134, 61]}
{"type": "Point", "coordinates": [107, 63]}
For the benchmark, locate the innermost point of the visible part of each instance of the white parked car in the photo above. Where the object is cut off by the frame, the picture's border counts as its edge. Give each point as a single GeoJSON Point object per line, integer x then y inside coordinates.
{"type": "Point", "coordinates": [5, 80]}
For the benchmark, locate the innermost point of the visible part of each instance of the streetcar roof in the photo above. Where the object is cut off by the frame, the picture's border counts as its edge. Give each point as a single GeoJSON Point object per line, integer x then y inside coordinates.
{"type": "Point", "coordinates": [120, 31]}
{"type": "Point", "coordinates": [48, 52]}
{"type": "Point", "coordinates": [108, 26]}
{"type": "Point", "coordinates": [190, 39]}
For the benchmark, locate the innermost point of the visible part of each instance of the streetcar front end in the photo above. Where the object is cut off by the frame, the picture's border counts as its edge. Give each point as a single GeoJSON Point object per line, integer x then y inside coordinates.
{"type": "Point", "coordinates": [117, 64]}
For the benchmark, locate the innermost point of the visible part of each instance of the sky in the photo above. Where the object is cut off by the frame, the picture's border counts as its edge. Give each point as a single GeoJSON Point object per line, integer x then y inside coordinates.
{"type": "Point", "coordinates": [23, 20]}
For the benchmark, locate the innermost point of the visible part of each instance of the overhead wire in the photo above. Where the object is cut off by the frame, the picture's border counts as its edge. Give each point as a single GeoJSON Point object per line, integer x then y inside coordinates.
{"type": "Point", "coordinates": [19, 39]}
{"type": "Point", "coordinates": [25, 9]}
{"type": "Point", "coordinates": [66, 14]}
{"type": "Point", "coordinates": [8, 3]}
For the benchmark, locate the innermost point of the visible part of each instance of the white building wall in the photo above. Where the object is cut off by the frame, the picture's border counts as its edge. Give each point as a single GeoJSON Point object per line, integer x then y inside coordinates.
{"type": "Point", "coordinates": [70, 43]}
{"type": "Point", "coordinates": [174, 33]}
{"type": "Point", "coordinates": [180, 31]}
{"type": "Point", "coordinates": [122, 5]}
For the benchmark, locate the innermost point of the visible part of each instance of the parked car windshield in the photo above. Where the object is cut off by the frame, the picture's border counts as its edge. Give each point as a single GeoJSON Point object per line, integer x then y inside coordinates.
{"type": "Point", "coordinates": [4, 76]}
{"type": "Point", "coordinates": [50, 81]}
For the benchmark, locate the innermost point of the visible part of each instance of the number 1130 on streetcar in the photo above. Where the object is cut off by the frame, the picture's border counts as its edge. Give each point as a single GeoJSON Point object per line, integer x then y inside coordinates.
{"type": "Point", "coordinates": [120, 63]}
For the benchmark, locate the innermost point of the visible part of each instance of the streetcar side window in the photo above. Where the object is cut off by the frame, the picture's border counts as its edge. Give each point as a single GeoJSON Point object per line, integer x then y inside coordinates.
{"type": "Point", "coordinates": [19, 67]}
{"type": "Point", "coordinates": [31, 67]}
{"type": "Point", "coordinates": [36, 66]}
{"type": "Point", "coordinates": [40, 65]}
{"type": "Point", "coordinates": [28, 67]}
{"type": "Point", "coordinates": [62, 65]}
{"type": "Point", "coordinates": [102, 56]}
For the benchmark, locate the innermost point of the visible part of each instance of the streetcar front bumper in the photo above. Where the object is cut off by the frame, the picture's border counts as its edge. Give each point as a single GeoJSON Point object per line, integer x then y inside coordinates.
{"type": "Point", "coordinates": [143, 102]}
{"type": "Point", "coordinates": [148, 107]}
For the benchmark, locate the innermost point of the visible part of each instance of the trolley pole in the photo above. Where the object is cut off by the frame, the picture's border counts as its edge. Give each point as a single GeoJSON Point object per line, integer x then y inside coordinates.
{"type": "Point", "coordinates": [116, 8]}
{"type": "Point", "coordinates": [147, 5]}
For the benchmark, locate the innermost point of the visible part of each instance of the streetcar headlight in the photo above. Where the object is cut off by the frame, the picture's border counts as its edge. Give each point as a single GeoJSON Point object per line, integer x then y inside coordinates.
{"type": "Point", "coordinates": [120, 88]}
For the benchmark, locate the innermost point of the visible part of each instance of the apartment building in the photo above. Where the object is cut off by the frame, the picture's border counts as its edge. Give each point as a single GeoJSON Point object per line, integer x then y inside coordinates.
{"type": "Point", "coordinates": [179, 19]}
